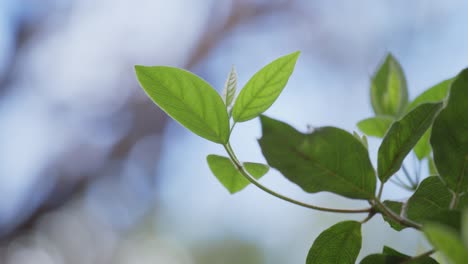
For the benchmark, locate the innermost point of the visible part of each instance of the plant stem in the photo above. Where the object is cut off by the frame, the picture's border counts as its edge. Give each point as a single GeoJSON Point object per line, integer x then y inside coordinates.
{"type": "Point", "coordinates": [454, 201]}
{"type": "Point", "coordinates": [244, 173]}
{"type": "Point", "coordinates": [418, 257]}
{"type": "Point", "coordinates": [401, 220]}
{"type": "Point", "coordinates": [380, 190]}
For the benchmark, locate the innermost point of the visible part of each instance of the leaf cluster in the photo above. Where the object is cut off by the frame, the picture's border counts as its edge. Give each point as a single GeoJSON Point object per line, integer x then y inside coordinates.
{"type": "Point", "coordinates": [433, 126]}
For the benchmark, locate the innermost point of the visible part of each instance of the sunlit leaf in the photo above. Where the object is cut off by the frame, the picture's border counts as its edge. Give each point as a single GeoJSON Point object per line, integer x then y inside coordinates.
{"type": "Point", "coordinates": [402, 137]}
{"type": "Point", "coordinates": [340, 243]}
{"type": "Point", "coordinates": [328, 159]}
{"type": "Point", "coordinates": [423, 149]}
{"type": "Point", "coordinates": [188, 99]}
{"type": "Point", "coordinates": [375, 126]}
{"type": "Point", "coordinates": [229, 176]}
{"type": "Point", "coordinates": [449, 138]}
{"type": "Point", "coordinates": [434, 94]}
{"type": "Point", "coordinates": [263, 88]}
{"type": "Point", "coordinates": [389, 94]}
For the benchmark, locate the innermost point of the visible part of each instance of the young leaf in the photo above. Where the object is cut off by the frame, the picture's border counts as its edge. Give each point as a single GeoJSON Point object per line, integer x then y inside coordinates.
{"type": "Point", "coordinates": [340, 243]}
{"type": "Point", "coordinates": [447, 241]}
{"type": "Point", "coordinates": [396, 207]}
{"type": "Point", "coordinates": [449, 138]}
{"type": "Point", "coordinates": [434, 94]}
{"type": "Point", "coordinates": [328, 159]}
{"type": "Point", "coordinates": [264, 88]}
{"type": "Point", "coordinates": [401, 138]}
{"type": "Point", "coordinates": [431, 198]}
{"type": "Point", "coordinates": [188, 99]}
{"type": "Point", "coordinates": [230, 87]}
{"type": "Point", "coordinates": [389, 94]}
{"type": "Point", "coordinates": [375, 126]}
{"type": "Point", "coordinates": [228, 174]}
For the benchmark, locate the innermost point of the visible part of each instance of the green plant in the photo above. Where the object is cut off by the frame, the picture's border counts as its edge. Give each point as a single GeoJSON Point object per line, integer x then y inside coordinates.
{"type": "Point", "coordinates": [434, 125]}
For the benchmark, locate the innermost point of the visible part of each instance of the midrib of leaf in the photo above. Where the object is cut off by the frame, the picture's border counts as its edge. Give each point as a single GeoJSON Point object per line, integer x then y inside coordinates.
{"type": "Point", "coordinates": [266, 84]}
{"type": "Point", "coordinates": [168, 92]}
{"type": "Point", "coordinates": [400, 153]}
{"type": "Point", "coordinates": [327, 171]}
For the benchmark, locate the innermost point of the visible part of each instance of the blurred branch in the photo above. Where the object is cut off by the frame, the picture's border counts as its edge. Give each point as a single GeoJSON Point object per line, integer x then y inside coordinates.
{"type": "Point", "coordinates": [70, 186]}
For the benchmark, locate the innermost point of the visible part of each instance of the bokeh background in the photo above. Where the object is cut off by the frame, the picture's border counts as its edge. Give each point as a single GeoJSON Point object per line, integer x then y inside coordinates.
{"type": "Point", "coordinates": [92, 172]}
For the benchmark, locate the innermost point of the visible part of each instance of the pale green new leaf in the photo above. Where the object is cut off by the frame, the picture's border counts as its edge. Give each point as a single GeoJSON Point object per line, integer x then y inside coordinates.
{"type": "Point", "coordinates": [328, 159]}
{"type": "Point", "coordinates": [402, 137]}
{"type": "Point", "coordinates": [389, 93]}
{"type": "Point", "coordinates": [434, 94]}
{"type": "Point", "coordinates": [229, 91]}
{"type": "Point", "coordinates": [188, 99]}
{"type": "Point", "coordinates": [263, 88]}
{"type": "Point", "coordinates": [447, 241]}
{"type": "Point", "coordinates": [375, 126]}
{"type": "Point", "coordinates": [423, 149]}
{"type": "Point", "coordinates": [340, 243]}
{"type": "Point", "coordinates": [229, 176]}
{"type": "Point", "coordinates": [449, 138]}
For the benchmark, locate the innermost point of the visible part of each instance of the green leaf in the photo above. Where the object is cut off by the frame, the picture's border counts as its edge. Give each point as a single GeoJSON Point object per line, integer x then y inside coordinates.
{"type": "Point", "coordinates": [423, 149]}
{"type": "Point", "coordinates": [401, 138]}
{"type": "Point", "coordinates": [340, 243]}
{"type": "Point", "coordinates": [431, 197]}
{"type": "Point", "coordinates": [328, 159]}
{"type": "Point", "coordinates": [432, 167]}
{"type": "Point", "coordinates": [230, 87]}
{"type": "Point", "coordinates": [263, 88]}
{"type": "Point", "coordinates": [375, 126]}
{"type": "Point", "coordinates": [228, 174]}
{"type": "Point", "coordinates": [449, 138]}
{"type": "Point", "coordinates": [396, 207]}
{"type": "Point", "coordinates": [188, 99]}
{"type": "Point", "coordinates": [434, 94]}
{"type": "Point", "coordinates": [447, 241]}
{"type": "Point", "coordinates": [391, 256]}
{"type": "Point", "coordinates": [389, 93]}
{"type": "Point", "coordinates": [464, 227]}
{"type": "Point", "coordinates": [362, 139]}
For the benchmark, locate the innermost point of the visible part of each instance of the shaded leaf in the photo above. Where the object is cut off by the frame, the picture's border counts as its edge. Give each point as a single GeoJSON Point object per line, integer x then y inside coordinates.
{"type": "Point", "coordinates": [434, 94]}
{"type": "Point", "coordinates": [375, 126]}
{"type": "Point", "coordinates": [449, 138]}
{"type": "Point", "coordinates": [340, 243]}
{"type": "Point", "coordinates": [328, 159]}
{"type": "Point", "coordinates": [447, 241]}
{"type": "Point", "coordinates": [401, 138]}
{"type": "Point", "coordinates": [230, 87]}
{"type": "Point", "coordinates": [431, 198]}
{"type": "Point", "coordinates": [391, 256]}
{"type": "Point", "coordinates": [229, 176]}
{"type": "Point", "coordinates": [396, 207]}
{"type": "Point", "coordinates": [188, 99]}
{"type": "Point", "coordinates": [263, 88]}
{"type": "Point", "coordinates": [389, 93]}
